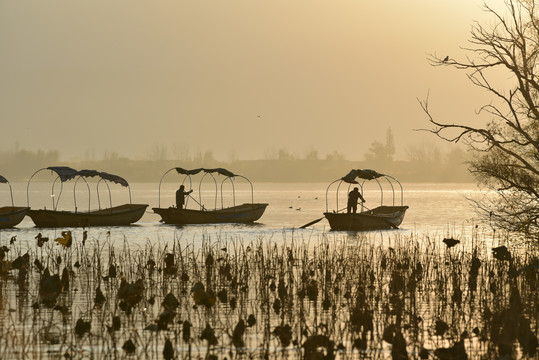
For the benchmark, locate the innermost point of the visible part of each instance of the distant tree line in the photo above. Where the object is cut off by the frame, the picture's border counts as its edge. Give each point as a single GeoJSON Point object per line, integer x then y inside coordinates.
{"type": "Point", "coordinates": [424, 163]}
{"type": "Point", "coordinates": [20, 163]}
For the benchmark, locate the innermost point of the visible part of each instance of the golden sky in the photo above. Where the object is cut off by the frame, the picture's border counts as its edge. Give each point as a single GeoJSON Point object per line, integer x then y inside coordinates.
{"type": "Point", "coordinates": [242, 77]}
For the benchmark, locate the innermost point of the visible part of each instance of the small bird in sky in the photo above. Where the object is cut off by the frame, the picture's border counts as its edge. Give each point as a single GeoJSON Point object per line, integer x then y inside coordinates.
{"type": "Point", "coordinates": [445, 59]}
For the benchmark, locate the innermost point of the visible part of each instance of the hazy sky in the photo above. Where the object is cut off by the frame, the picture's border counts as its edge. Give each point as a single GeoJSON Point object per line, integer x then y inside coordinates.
{"type": "Point", "coordinates": [242, 77]}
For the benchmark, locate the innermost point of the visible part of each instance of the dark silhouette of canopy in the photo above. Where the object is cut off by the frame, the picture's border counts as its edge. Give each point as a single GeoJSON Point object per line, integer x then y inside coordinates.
{"type": "Point", "coordinates": [114, 178]}
{"type": "Point", "coordinates": [362, 174]}
{"type": "Point", "coordinates": [188, 172]}
{"type": "Point", "coordinates": [64, 172]}
{"type": "Point", "coordinates": [88, 173]}
{"type": "Point", "coordinates": [220, 171]}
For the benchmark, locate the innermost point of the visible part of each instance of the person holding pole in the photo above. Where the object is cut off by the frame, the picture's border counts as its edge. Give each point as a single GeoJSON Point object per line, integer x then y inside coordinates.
{"type": "Point", "coordinates": [180, 196]}
{"type": "Point", "coordinates": [353, 197]}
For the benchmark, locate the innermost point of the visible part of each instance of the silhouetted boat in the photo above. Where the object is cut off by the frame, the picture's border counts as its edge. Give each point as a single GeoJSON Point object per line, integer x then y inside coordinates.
{"type": "Point", "coordinates": [378, 218]}
{"type": "Point", "coordinates": [245, 213]}
{"type": "Point", "coordinates": [113, 216]}
{"type": "Point", "coordinates": [382, 217]}
{"type": "Point", "coordinates": [11, 215]}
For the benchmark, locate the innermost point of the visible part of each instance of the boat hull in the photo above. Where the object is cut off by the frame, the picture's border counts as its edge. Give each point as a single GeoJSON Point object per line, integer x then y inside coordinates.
{"type": "Point", "coordinates": [12, 215]}
{"type": "Point", "coordinates": [380, 218]}
{"type": "Point", "coordinates": [245, 213]}
{"type": "Point", "coordinates": [115, 216]}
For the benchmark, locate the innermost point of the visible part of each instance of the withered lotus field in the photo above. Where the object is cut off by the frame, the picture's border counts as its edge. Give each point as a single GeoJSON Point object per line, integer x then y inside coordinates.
{"type": "Point", "coordinates": [410, 297]}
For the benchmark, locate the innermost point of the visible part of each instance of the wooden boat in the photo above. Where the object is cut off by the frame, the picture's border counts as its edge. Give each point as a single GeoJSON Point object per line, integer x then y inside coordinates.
{"type": "Point", "coordinates": [113, 216]}
{"type": "Point", "coordinates": [122, 215]}
{"type": "Point", "coordinates": [11, 216]}
{"type": "Point", "coordinates": [245, 213]}
{"type": "Point", "coordinates": [379, 218]}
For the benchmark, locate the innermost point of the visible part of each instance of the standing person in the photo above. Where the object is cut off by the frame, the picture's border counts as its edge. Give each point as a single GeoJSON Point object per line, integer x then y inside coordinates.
{"type": "Point", "coordinates": [353, 196]}
{"type": "Point", "coordinates": [180, 196]}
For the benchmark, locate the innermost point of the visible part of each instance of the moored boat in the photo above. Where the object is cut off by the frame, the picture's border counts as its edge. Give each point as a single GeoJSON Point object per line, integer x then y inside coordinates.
{"type": "Point", "coordinates": [379, 218]}
{"type": "Point", "coordinates": [11, 216]}
{"type": "Point", "coordinates": [113, 216]}
{"type": "Point", "coordinates": [244, 213]}
{"type": "Point", "coordinates": [121, 215]}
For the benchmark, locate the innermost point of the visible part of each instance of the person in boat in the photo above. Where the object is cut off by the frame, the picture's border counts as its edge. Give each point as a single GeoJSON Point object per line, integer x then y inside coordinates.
{"type": "Point", "coordinates": [353, 197]}
{"type": "Point", "coordinates": [180, 196]}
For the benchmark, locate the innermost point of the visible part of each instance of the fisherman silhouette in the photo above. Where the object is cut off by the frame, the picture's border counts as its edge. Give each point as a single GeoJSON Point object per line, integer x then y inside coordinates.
{"type": "Point", "coordinates": [353, 196]}
{"type": "Point", "coordinates": [180, 196]}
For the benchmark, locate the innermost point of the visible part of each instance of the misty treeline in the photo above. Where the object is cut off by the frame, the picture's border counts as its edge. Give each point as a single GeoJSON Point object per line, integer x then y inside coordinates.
{"type": "Point", "coordinates": [422, 162]}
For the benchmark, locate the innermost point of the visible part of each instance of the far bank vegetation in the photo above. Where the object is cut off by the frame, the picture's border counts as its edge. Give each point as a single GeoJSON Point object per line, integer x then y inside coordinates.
{"type": "Point", "coordinates": [423, 162]}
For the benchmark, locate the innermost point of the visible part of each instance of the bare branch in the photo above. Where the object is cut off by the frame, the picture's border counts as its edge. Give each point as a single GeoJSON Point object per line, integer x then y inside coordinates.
{"type": "Point", "coordinates": [507, 146]}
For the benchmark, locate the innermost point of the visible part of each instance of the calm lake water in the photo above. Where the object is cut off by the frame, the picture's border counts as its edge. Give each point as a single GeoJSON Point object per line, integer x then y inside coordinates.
{"type": "Point", "coordinates": [318, 284]}
{"type": "Point", "coordinates": [434, 209]}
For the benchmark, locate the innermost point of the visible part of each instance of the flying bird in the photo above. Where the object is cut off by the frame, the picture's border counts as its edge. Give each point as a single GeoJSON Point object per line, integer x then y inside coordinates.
{"type": "Point", "coordinates": [450, 242]}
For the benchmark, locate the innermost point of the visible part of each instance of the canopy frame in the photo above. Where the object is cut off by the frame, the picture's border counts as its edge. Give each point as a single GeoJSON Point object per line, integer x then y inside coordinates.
{"type": "Point", "coordinates": [221, 171]}
{"type": "Point", "coordinates": [232, 181]}
{"type": "Point", "coordinates": [3, 180]}
{"type": "Point", "coordinates": [365, 175]}
{"type": "Point", "coordinates": [65, 173]}
{"type": "Point", "coordinates": [178, 170]}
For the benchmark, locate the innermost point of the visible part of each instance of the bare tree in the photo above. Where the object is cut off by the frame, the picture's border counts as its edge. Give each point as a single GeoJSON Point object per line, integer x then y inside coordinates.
{"type": "Point", "coordinates": [181, 152]}
{"type": "Point", "coordinates": [507, 147]}
{"type": "Point", "coordinates": [158, 152]}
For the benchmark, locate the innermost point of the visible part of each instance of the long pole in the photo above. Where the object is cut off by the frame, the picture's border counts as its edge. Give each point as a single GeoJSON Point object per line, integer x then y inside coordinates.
{"type": "Point", "coordinates": [317, 220]}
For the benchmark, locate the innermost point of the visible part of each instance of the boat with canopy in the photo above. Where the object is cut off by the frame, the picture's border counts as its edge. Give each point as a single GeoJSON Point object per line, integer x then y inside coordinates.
{"type": "Point", "coordinates": [244, 213]}
{"type": "Point", "coordinates": [378, 218]}
{"type": "Point", "coordinates": [112, 216]}
{"type": "Point", "coordinates": [11, 216]}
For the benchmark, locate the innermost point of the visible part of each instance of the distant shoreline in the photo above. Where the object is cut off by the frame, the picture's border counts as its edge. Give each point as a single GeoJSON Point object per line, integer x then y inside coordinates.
{"type": "Point", "coordinates": [276, 171]}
